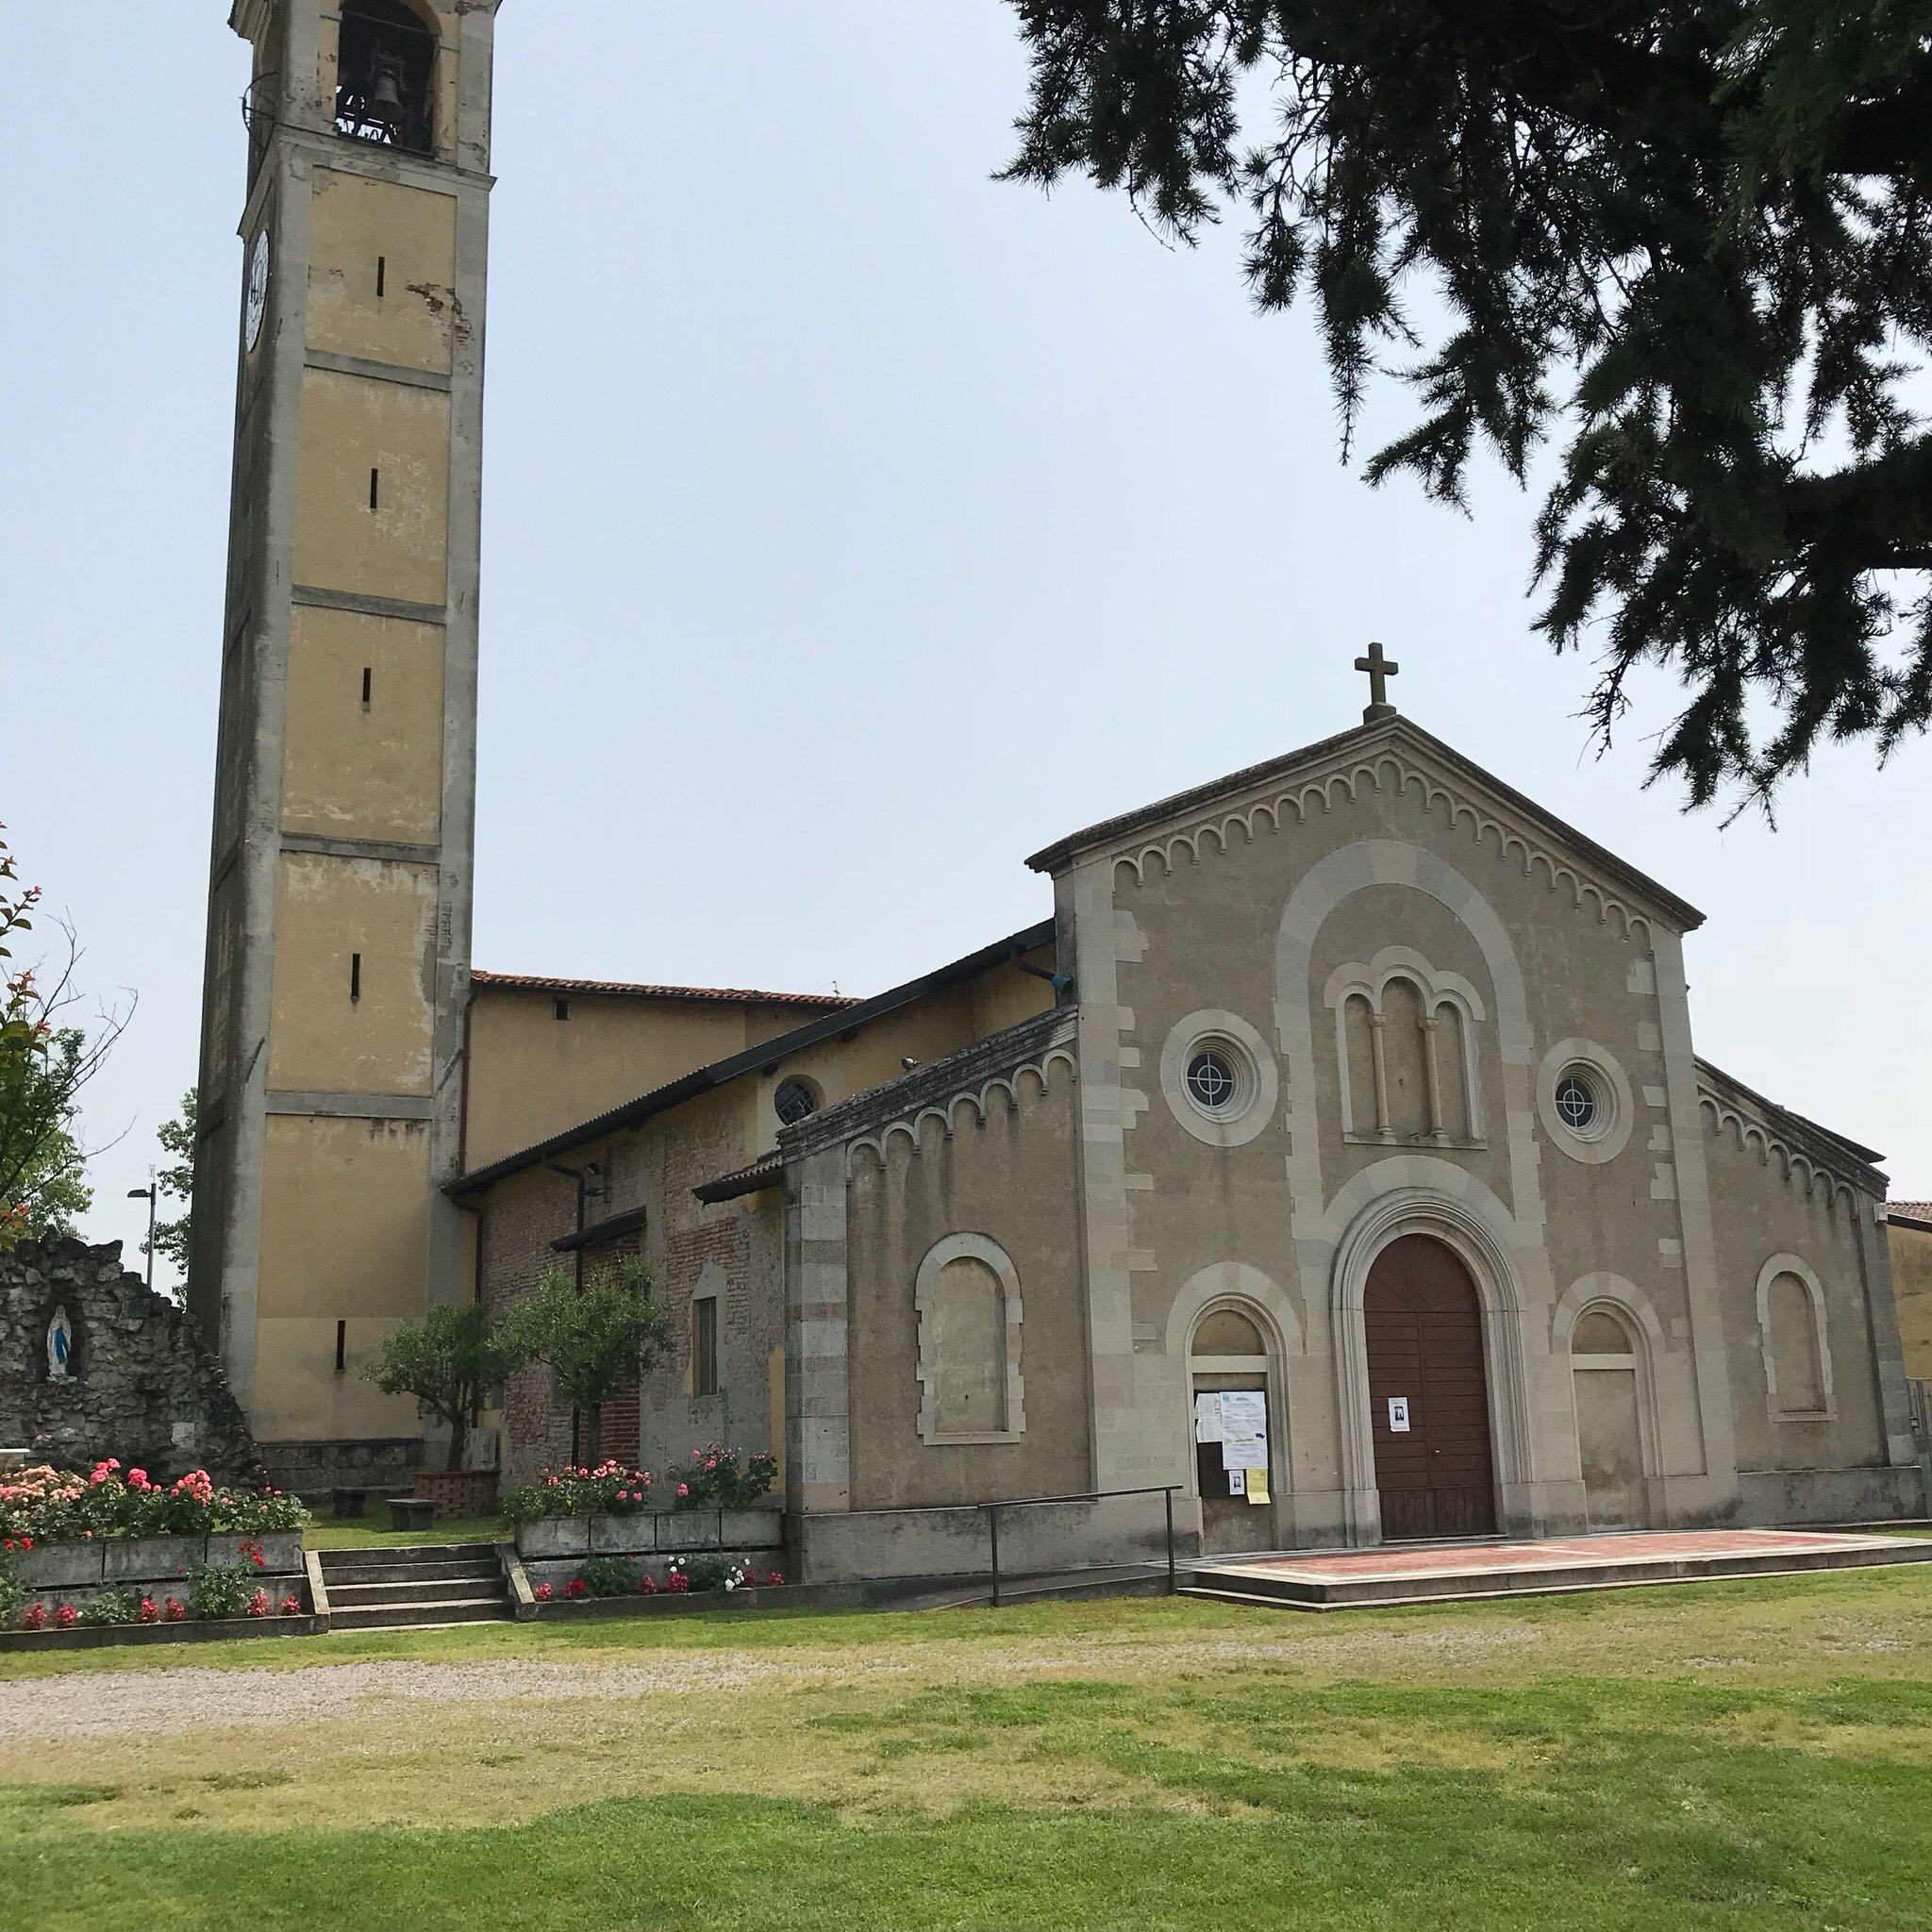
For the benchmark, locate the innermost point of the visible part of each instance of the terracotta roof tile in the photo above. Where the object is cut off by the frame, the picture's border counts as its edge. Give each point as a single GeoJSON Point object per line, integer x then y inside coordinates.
{"type": "Point", "coordinates": [733, 995]}
{"type": "Point", "coordinates": [1909, 1210]}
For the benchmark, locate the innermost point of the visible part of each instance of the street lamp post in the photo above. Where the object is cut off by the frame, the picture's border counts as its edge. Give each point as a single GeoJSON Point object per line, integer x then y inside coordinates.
{"type": "Point", "coordinates": [147, 1194]}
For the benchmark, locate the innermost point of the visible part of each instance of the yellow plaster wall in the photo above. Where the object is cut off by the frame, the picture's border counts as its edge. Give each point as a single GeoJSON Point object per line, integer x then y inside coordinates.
{"type": "Point", "coordinates": [351, 425]}
{"type": "Point", "coordinates": [532, 1074]}
{"type": "Point", "coordinates": [357, 771]}
{"type": "Point", "coordinates": [354, 222]}
{"type": "Point", "coordinates": [344, 1236]}
{"type": "Point", "coordinates": [328, 909]}
{"type": "Point", "coordinates": [1911, 1284]}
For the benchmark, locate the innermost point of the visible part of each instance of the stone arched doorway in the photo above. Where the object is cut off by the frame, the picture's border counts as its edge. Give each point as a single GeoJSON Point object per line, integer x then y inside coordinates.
{"type": "Point", "coordinates": [1428, 1392]}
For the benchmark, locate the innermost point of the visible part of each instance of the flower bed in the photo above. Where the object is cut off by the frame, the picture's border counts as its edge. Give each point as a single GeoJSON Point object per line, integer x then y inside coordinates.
{"type": "Point", "coordinates": [52, 1506]}
{"type": "Point", "coordinates": [116, 1551]}
{"type": "Point", "coordinates": [715, 1478]}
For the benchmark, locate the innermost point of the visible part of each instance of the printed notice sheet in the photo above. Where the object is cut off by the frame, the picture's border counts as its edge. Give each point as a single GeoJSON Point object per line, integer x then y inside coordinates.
{"type": "Point", "coordinates": [1243, 1430]}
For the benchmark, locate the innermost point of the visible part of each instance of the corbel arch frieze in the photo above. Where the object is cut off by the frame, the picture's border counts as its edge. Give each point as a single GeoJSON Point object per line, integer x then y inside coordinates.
{"type": "Point", "coordinates": [1386, 772]}
{"type": "Point", "coordinates": [970, 1102]}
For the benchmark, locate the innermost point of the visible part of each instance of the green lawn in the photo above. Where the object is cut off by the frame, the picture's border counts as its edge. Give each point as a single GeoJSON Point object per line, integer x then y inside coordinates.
{"type": "Point", "coordinates": [373, 1531]}
{"type": "Point", "coordinates": [1752, 1755]}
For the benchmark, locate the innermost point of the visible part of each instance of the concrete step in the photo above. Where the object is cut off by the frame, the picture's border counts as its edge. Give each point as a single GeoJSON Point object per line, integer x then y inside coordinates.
{"type": "Point", "coordinates": [490, 1610]}
{"type": "Point", "coordinates": [410, 1553]}
{"type": "Point", "coordinates": [361, 1595]}
{"type": "Point", "coordinates": [343, 1575]}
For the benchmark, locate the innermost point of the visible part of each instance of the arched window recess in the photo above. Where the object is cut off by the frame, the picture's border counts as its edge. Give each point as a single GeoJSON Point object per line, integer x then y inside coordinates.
{"type": "Point", "coordinates": [385, 73]}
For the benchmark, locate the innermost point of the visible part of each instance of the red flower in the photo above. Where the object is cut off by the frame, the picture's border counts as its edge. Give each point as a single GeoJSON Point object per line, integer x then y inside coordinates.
{"type": "Point", "coordinates": [576, 1587]}
{"type": "Point", "coordinates": [677, 1583]}
{"type": "Point", "coordinates": [34, 1616]}
{"type": "Point", "coordinates": [774, 1579]}
{"type": "Point", "coordinates": [150, 1610]}
{"type": "Point", "coordinates": [66, 1615]}
{"type": "Point", "coordinates": [291, 1607]}
{"type": "Point", "coordinates": [258, 1604]}
{"type": "Point", "coordinates": [173, 1610]}
{"type": "Point", "coordinates": [543, 1592]}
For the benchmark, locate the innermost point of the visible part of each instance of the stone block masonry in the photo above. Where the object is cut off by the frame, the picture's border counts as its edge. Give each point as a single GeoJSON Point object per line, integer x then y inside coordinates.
{"type": "Point", "coordinates": [139, 1384]}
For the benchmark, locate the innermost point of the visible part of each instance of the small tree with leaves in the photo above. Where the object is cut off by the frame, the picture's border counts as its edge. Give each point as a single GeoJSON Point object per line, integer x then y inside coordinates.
{"type": "Point", "coordinates": [176, 1182]}
{"type": "Point", "coordinates": [43, 1066]}
{"type": "Point", "coordinates": [449, 1361]}
{"type": "Point", "coordinates": [598, 1339]}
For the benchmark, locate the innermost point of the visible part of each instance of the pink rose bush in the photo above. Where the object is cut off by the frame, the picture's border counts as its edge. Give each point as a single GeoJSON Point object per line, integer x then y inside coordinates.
{"type": "Point", "coordinates": [47, 1504]}
{"type": "Point", "coordinates": [608, 1490]}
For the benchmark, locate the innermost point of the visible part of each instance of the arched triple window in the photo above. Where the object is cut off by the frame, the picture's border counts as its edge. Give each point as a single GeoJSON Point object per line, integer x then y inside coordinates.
{"type": "Point", "coordinates": [385, 76]}
{"type": "Point", "coordinates": [1406, 1051]}
{"type": "Point", "coordinates": [966, 1295]}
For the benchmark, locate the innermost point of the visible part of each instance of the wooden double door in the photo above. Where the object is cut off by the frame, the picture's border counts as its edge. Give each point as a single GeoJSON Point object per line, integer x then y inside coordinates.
{"type": "Point", "coordinates": [1428, 1393]}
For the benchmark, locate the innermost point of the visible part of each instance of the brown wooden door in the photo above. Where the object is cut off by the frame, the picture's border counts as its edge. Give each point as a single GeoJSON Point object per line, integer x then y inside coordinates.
{"type": "Point", "coordinates": [1425, 1330]}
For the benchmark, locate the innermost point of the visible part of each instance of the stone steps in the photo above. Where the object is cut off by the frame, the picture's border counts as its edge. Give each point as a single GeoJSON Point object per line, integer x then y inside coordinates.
{"type": "Point", "coordinates": [422, 1586]}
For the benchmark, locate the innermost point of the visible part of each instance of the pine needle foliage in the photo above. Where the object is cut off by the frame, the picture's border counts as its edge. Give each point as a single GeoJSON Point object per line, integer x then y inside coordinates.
{"type": "Point", "coordinates": [1690, 241]}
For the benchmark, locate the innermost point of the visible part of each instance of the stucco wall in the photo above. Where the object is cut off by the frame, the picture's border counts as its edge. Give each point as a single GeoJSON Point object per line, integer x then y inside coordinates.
{"type": "Point", "coordinates": [1764, 1208]}
{"type": "Point", "coordinates": [1003, 1169]}
{"type": "Point", "coordinates": [1911, 1277]}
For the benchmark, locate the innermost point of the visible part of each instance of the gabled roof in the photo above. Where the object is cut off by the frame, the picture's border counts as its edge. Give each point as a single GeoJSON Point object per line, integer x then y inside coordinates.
{"type": "Point", "coordinates": [622, 989]}
{"type": "Point", "coordinates": [1127, 828]}
{"type": "Point", "coordinates": [846, 1019]}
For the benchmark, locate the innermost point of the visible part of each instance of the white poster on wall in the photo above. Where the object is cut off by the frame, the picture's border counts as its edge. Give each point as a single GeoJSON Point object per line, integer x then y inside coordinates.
{"type": "Point", "coordinates": [1206, 1418]}
{"type": "Point", "coordinates": [1243, 1430]}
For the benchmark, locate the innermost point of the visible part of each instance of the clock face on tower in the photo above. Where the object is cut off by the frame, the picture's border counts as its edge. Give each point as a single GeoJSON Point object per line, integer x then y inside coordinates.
{"type": "Point", "coordinates": [257, 289]}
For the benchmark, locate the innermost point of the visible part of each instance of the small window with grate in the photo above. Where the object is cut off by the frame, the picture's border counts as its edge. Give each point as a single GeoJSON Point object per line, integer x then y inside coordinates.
{"type": "Point", "coordinates": [794, 1101]}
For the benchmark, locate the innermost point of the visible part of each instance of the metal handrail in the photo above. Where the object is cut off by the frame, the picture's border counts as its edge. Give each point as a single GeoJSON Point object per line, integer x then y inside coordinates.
{"type": "Point", "coordinates": [1164, 1490]}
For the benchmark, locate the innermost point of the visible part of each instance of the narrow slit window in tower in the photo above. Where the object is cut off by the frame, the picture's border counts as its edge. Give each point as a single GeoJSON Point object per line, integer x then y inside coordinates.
{"type": "Point", "coordinates": [373, 476]}
{"type": "Point", "coordinates": [342, 1347]}
{"type": "Point", "coordinates": [355, 975]}
{"type": "Point", "coordinates": [560, 1008]}
{"type": "Point", "coordinates": [381, 271]}
{"type": "Point", "coordinates": [365, 687]}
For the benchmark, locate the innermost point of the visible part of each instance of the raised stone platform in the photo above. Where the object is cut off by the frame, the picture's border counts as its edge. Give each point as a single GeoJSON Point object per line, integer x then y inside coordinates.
{"type": "Point", "coordinates": [1438, 1572]}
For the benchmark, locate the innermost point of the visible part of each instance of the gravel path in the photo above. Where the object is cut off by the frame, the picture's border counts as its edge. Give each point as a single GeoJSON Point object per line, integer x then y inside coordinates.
{"type": "Point", "coordinates": [103, 1704]}
{"type": "Point", "coordinates": [94, 1703]}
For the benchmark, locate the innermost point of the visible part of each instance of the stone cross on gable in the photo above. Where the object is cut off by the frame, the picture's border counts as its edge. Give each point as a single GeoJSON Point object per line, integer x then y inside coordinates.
{"type": "Point", "coordinates": [1380, 669]}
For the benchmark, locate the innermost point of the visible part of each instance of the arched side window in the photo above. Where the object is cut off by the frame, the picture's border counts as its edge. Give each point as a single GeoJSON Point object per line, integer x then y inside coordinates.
{"type": "Point", "coordinates": [1406, 1051]}
{"type": "Point", "coordinates": [1795, 1340]}
{"type": "Point", "coordinates": [967, 1295]}
{"type": "Point", "coordinates": [385, 76]}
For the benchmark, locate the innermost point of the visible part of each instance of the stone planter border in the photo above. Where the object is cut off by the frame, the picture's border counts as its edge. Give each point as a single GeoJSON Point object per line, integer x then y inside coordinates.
{"type": "Point", "coordinates": [92, 1637]}
{"type": "Point", "coordinates": [158, 1560]}
{"type": "Point", "coordinates": [807, 1596]}
{"type": "Point", "coordinates": [651, 1532]}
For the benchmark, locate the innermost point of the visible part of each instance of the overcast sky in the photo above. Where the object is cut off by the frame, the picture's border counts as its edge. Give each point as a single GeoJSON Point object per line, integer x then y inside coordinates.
{"type": "Point", "coordinates": [853, 526]}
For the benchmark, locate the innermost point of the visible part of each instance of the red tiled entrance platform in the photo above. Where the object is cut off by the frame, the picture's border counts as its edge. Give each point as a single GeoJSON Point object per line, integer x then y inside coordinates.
{"type": "Point", "coordinates": [1426, 1573]}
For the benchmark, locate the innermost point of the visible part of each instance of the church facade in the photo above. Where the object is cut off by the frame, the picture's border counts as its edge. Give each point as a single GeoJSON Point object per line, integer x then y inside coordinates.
{"type": "Point", "coordinates": [1354, 1086]}
{"type": "Point", "coordinates": [1334, 1156]}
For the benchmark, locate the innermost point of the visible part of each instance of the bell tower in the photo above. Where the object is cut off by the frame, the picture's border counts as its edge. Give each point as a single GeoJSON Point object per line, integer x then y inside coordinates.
{"type": "Point", "coordinates": [339, 900]}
